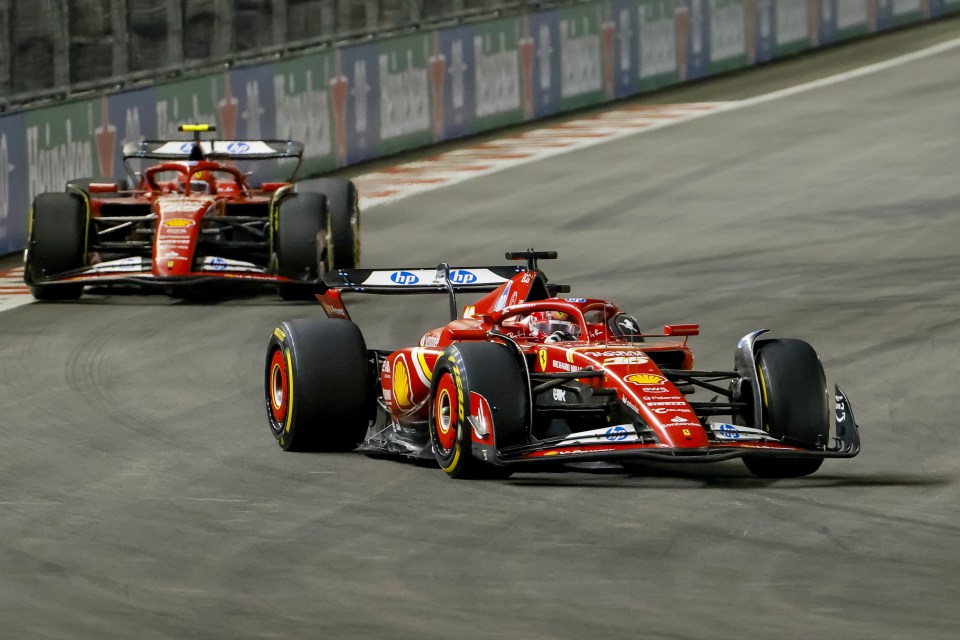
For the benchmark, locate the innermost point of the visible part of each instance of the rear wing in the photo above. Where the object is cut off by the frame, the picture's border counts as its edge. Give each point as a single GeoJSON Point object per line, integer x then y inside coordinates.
{"type": "Point", "coordinates": [442, 279]}
{"type": "Point", "coordinates": [214, 149]}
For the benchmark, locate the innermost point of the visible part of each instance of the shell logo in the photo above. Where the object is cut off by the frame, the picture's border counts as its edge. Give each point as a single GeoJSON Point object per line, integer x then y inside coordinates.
{"type": "Point", "coordinates": [178, 222]}
{"type": "Point", "coordinates": [401, 384]}
{"type": "Point", "coordinates": [645, 378]}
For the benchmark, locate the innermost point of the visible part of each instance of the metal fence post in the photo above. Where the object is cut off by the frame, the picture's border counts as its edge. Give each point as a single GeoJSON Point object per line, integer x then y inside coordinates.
{"type": "Point", "coordinates": [118, 28]}
{"type": "Point", "coordinates": [60, 32]}
{"type": "Point", "coordinates": [279, 22]}
{"type": "Point", "coordinates": [174, 35]}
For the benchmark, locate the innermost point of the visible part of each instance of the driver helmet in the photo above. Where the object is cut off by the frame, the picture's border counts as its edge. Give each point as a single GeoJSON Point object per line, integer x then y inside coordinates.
{"type": "Point", "coordinates": [555, 325]}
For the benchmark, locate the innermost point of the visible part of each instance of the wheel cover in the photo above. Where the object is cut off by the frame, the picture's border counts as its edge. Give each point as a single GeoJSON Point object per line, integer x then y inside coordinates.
{"type": "Point", "coordinates": [444, 414]}
{"type": "Point", "coordinates": [278, 387]}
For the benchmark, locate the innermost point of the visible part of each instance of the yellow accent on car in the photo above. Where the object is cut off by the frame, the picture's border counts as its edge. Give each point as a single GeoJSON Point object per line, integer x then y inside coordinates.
{"type": "Point", "coordinates": [280, 334]}
{"type": "Point", "coordinates": [423, 365]}
{"type": "Point", "coordinates": [456, 454]}
{"type": "Point", "coordinates": [289, 420]}
{"type": "Point", "coordinates": [196, 127]}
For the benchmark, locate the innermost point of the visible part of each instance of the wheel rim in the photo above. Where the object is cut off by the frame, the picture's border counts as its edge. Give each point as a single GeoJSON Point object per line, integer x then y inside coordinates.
{"type": "Point", "coordinates": [444, 416]}
{"type": "Point", "coordinates": [278, 386]}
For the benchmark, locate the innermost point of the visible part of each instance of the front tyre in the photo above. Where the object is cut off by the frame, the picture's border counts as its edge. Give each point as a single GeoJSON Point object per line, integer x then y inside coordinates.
{"type": "Point", "coordinates": [479, 379]}
{"type": "Point", "coordinates": [57, 244]}
{"type": "Point", "coordinates": [317, 385]}
{"type": "Point", "coordinates": [793, 390]}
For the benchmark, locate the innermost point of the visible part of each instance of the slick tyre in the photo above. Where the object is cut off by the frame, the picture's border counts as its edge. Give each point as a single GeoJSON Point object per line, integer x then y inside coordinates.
{"type": "Point", "coordinates": [343, 222]}
{"type": "Point", "coordinates": [57, 243]}
{"type": "Point", "coordinates": [793, 390]}
{"type": "Point", "coordinates": [465, 373]}
{"type": "Point", "coordinates": [300, 242]}
{"type": "Point", "coordinates": [317, 385]}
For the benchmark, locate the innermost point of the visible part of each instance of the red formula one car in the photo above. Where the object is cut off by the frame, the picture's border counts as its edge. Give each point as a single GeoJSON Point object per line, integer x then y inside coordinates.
{"type": "Point", "coordinates": [525, 377]}
{"type": "Point", "coordinates": [194, 218]}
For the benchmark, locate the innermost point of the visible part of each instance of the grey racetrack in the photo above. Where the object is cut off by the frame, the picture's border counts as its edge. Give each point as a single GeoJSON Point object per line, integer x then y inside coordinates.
{"type": "Point", "coordinates": [142, 495]}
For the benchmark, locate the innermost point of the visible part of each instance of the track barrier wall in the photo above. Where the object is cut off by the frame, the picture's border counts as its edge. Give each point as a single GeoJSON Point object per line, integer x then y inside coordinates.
{"type": "Point", "coordinates": [358, 102]}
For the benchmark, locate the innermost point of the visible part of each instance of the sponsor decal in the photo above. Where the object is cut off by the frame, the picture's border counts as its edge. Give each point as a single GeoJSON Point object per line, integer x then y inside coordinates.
{"type": "Point", "coordinates": [401, 384]}
{"type": "Point", "coordinates": [644, 379]}
{"type": "Point", "coordinates": [217, 264]}
{"type": "Point", "coordinates": [575, 299]}
{"type": "Point", "coordinates": [564, 366]}
{"type": "Point", "coordinates": [624, 360]}
{"type": "Point", "coordinates": [629, 405]}
{"type": "Point", "coordinates": [404, 278]}
{"type": "Point", "coordinates": [526, 278]}
{"type": "Point", "coordinates": [483, 419]}
{"type": "Point", "coordinates": [686, 432]}
{"type": "Point", "coordinates": [841, 408]}
{"type": "Point", "coordinates": [462, 276]}
{"type": "Point", "coordinates": [177, 223]}
{"type": "Point", "coordinates": [559, 395]}
{"type": "Point", "coordinates": [671, 403]}
{"type": "Point", "coordinates": [279, 333]}
{"type": "Point", "coordinates": [656, 390]}
{"type": "Point", "coordinates": [727, 431]}
{"type": "Point", "coordinates": [618, 432]}
{"type": "Point", "coordinates": [513, 299]}
{"type": "Point", "coordinates": [542, 358]}
{"type": "Point", "coordinates": [502, 300]}
{"type": "Point", "coordinates": [238, 147]}
{"type": "Point", "coordinates": [679, 420]}
{"type": "Point", "coordinates": [611, 353]}
{"type": "Point", "coordinates": [429, 341]}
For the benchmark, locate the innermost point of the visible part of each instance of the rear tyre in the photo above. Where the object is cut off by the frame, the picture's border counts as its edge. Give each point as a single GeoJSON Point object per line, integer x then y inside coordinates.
{"type": "Point", "coordinates": [343, 227]}
{"type": "Point", "coordinates": [793, 390]}
{"type": "Point", "coordinates": [299, 243]}
{"type": "Point", "coordinates": [317, 385]}
{"type": "Point", "coordinates": [57, 243]}
{"type": "Point", "coordinates": [464, 371]}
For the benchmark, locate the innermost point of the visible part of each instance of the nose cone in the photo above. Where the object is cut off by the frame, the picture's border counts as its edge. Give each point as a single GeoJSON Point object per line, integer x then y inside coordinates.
{"type": "Point", "coordinates": [179, 220]}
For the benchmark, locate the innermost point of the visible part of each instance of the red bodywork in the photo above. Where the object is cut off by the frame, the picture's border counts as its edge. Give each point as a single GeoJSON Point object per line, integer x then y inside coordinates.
{"type": "Point", "coordinates": [179, 201]}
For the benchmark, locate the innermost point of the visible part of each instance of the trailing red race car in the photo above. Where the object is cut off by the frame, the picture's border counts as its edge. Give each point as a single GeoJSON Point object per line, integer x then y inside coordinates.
{"type": "Point", "coordinates": [525, 377]}
{"type": "Point", "coordinates": [194, 218]}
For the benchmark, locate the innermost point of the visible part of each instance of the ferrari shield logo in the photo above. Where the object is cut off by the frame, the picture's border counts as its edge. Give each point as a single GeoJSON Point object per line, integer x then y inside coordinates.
{"type": "Point", "coordinates": [542, 355]}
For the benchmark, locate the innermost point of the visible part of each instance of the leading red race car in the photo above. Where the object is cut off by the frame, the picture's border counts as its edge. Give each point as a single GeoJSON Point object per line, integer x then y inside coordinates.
{"type": "Point", "coordinates": [193, 218]}
{"type": "Point", "coordinates": [525, 377]}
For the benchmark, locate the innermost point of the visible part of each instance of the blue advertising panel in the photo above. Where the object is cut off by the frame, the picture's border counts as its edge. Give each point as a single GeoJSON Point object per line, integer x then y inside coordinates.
{"type": "Point", "coordinates": [760, 23]}
{"type": "Point", "coordinates": [540, 64]}
{"type": "Point", "coordinates": [697, 33]}
{"type": "Point", "coordinates": [358, 64]}
{"type": "Point", "coordinates": [251, 90]}
{"type": "Point", "coordinates": [131, 117]}
{"type": "Point", "coordinates": [14, 208]}
{"type": "Point", "coordinates": [454, 54]}
{"type": "Point", "coordinates": [623, 17]}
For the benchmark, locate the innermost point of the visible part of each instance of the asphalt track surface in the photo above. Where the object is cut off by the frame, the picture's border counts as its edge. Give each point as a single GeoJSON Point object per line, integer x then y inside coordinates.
{"type": "Point", "coordinates": [141, 494]}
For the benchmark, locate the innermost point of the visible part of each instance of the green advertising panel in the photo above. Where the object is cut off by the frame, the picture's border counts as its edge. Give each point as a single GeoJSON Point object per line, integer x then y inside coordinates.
{"type": "Point", "coordinates": [581, 56]}
{"type": "Point", "coordinates": [793, 25]}
{"type": "Point", "coordinates": [496, 59]}
{"type": "Point", "coordinates": [658, 27]}
{"type": "Point", "coordinates": [852, 18]}
{"type": "Point", "coordinates": [907, 11]}
{"type": "Point", "coordinates": [728, 43]}
{"type": "Point", "coordinates": [303, 108]}
{"type": "Point", "coordinates": [61, 145]}
{"type": "Point", "coordinates": [198, 100]}
{"type": "Point", "coordinates": [405, 90]}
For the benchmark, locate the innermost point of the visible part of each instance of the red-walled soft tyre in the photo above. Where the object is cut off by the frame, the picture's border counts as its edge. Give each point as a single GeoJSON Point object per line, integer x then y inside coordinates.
{"type": "Point", "coordinates": [492, 371]}
{"type": "Point", "coordinates": [317, 385]}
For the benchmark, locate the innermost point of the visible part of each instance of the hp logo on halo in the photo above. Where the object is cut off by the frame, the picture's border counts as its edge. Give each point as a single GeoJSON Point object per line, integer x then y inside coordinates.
{"type": "Point", "coordinates": [462, 276]}
{"type": "Point", "coordinates": [617, 433]}
{"type": "Point", "coordinates": [404, 277]}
